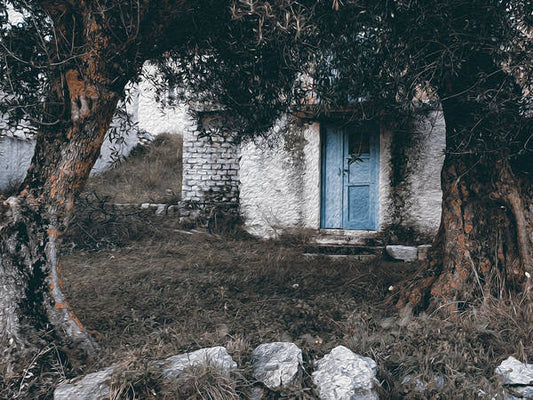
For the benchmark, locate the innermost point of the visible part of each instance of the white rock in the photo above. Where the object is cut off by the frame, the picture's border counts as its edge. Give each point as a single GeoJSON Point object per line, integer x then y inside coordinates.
{"type": "Point", "coordinates": [344, 375]}
{"type": "Point", "coordinates": [517, 378]}
{"type": "Point", "coordinates": [515, 372]}
{"type": "Point", "coordinates": [420, 386]}
{"type": "Point", "coordinates": [215, 356]}
{"type": "Point", "coordinates": [93, 386]}
{"type": "Point", "coordinates": [403, 253]}
{"type": "Point", "coordinates": [277, 364]}
{"type": "Point", "coordinates": [161, 208]}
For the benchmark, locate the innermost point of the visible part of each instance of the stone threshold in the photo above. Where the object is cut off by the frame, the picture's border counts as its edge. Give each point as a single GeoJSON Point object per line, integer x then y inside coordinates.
{"type": "Point", "coordinates": [364, 245]}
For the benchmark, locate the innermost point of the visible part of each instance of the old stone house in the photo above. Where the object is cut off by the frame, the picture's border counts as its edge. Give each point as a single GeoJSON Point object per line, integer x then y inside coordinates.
{"type": "Point", "coordinates": [338, 178]}
{"type": "Point", "coordinates": [344, 180]}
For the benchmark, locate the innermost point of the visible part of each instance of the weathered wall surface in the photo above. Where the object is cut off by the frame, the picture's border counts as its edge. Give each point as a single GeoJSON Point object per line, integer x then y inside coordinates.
{"type": "Point", "coordinates": [156, 118]}
{"type": "Point", "coordinates": [418, 196]}
{"type": "Point", "coordinates": [425, 200]}
{"type": "Point", "coordinates": [210, 167]}
{"type": "Point", "coordinates": [386, 202]}
{"type": "Point", "coordinates": [15, 157]}
{"type": "Point", "coordinates": [280, 182]}
{"type": "Point", "coordinates": [122, 136]}
{"type": "Point", "coordinates": [155, 115]}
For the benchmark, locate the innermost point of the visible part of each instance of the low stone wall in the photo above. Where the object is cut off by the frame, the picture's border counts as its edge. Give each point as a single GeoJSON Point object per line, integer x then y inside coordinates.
{"type": "Point", "coordinates": [211, 215]}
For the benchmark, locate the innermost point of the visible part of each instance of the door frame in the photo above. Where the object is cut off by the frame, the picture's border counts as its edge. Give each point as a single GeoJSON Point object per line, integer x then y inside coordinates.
{"type": "Point", "coordinates": [374, 141]}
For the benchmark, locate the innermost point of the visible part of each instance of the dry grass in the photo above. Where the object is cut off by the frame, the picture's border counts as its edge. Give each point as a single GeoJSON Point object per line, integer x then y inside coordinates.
{"type": "Point", "coordinates": [453, 358]}
{"type": "Point", "coordinates": [136, 379]}
{"type": "Point", "coordinates": [151, 174]}
{"type": "Point", "coordinates": [175, 292]}
{"type": "Point", "coordinates": [179, 292]}
{"type": "Point", "coordinates": [168, 291]}
{"type": "Point", "coordinates": [206, 382]}
{"type": "Point", "coordinates": [98, 224]}
{"type": "Point", "coordinates": [148, 289]}
{"type": "Point", "coordinates": [38, 376]}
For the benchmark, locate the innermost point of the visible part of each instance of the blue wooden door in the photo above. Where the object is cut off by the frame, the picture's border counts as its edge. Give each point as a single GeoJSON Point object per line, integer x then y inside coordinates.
{"type": "Point", "coordinates": [350, 177]}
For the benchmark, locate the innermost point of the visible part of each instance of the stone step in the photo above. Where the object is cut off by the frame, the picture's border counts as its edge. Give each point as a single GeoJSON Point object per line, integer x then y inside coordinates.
{"type": "Point", "coordinates": [341, 237]}
{"type": "Point", "coordinates": [343, 250]}
{"type": "Point", "coordinates": [356, 257]}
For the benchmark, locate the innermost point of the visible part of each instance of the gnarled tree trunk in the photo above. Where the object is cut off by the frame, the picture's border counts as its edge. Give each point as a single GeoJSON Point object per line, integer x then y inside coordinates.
{"type": "Point", "coordinates": [31, 300]}
{"type": "Point", "coordinates": [484, 243]}
{"type": "Point", "coordinates": [484, 246]}
{"type": "Point", "coordinates": [93, 49]}
{"type": "Point", "coordinates": [80, 105]}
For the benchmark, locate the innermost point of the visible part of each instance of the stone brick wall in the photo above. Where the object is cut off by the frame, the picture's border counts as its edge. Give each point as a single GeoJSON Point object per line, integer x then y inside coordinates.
{"type": "Point", "coordinates": [210, 168]}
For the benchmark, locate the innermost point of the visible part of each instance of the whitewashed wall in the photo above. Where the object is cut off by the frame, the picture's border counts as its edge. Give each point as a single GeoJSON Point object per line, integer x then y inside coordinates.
{"type": "Point", "coordinates": [424, 195]}
{"type": "Point", "coordinates": [154, 116]}
{"type": "Point", "coordinates": [15, 157]}
{"type": "Point", "coordinates": [280, 183]}
{"type": "Point", "coordinates": [386, 203]}
{"type": "Point", "coordinates": [128, 131]}
{"type": "Point", "coordinates": [280, 186]}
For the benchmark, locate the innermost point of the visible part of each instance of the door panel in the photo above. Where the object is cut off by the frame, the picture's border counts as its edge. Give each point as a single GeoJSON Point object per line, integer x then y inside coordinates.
{"type": "Point", "coordinates": [350, 178]}
{"type": "Point", "coordinates": [358, 206]}
{"type": "Point", "coordinates": [360, 178]}
{"type": "Point", "coordinates": [359, 172]}
{"type": "Point", "coordinates": [332, 179]}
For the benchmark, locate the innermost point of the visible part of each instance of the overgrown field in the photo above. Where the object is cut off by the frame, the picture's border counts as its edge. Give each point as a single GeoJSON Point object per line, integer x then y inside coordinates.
{"type": "Point", "coordinates": [170, 291]}
{"type": "Point", "coordinates": [147, 288]}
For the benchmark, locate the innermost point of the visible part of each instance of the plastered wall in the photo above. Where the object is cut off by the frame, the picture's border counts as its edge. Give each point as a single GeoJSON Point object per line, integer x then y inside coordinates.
{"type": "Point", "coordinates": [155, 116]}
{"type": "Point", "coordinates": [421, 193]}
{"type": "Point", "coordinates": [280, 185]}
{"type": "Point", "coordinates": [280, 182]}
{"type": "Point", "coordinates": [15, 157]}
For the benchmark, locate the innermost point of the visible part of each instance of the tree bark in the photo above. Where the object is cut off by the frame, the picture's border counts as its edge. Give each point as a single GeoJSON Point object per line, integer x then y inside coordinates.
{"type": "Point", "coordinates": [31, 297]}
{"type": "Point", "coordinates": [80, 105]}
{"type": "Point", "coordinates": [95, 48]}
{"type": "Point", "coordinates": [484, 244]}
